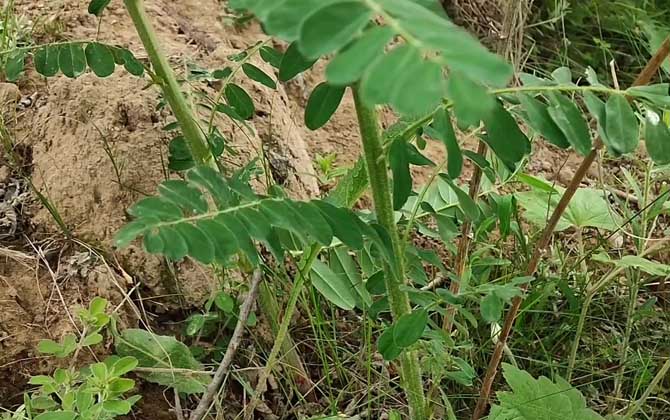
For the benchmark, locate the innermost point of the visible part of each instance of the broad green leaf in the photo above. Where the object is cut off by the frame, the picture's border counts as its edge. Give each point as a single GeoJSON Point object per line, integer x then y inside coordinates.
{"type": "Point", "coordinates": [472, 103]}
{"type": "Point", "coordinates": [15, 65]}
{"type": "Point", "coordinates": [343, 224]}
{"type": "Point", "coordinates": [445, 131]}
{"type": "Point", "coordinates": [621, 125]}
{"type": "Point", "coordinates": [57, 415]}
{"type": "Point", "coordinates": [536, 183]}
{"type": "Point", "coordinates": [96, 7]}
{"type": "Point", "coordinates": [596, 108]}
{"type": "Point", "coordinates": [239, 100]}
{"type": "Point", "coordinates": [657, 138]}
{"type": "Point", "coordinates": [491, 308]}
{"type": "Point", "coordinates": [656, 94]}
{"type": "Point", "coordinates": [72, 60]}
{"type": "Point", "coordinates": [402, 177]}
{"type": "Point", "coordinates": [183, 195]}
{"type": "Point", "coordinates": [562, 75]}
{"type": "Point", "coordinates": [337, 289]}
{"type": "Point", "coordinates": [504, 136]}
{"type": "Point", "coordinates": [293, 63]}
{"type": "Point", "coordinates": [132, 64]}
{"type": "Point", "coordinates": [46, 61]}
{"type": "Point", "coordinates": [198, 243]}
{"type": "Point", "coordinates": [343, 265]}
{"type": "Point", "coordinates": [284, 19]}
{"type": "Point", "coordinates": [124, 365]}
{"type": "Point", "coordinates": [331, 27]}
{"type": "Point", "coordinates": [349, 65]}
{"type": "Point", "coordinates": [386, 344]}
{"type": "Point", "coordinates": [569, 119]}
{"type": "Point", "coordinates": [351, 186]}
{"type": "Point", "coordinates": [225, 302]}
{"type": "Point", "coordinates": [536, 114]}
{"type": "Point", "coordinates": [322, 104]}
{"type": "Point", "coordinates": [117, 407]}
{"type": "Point", "coordinates": [588, 208]}
{"type": "Point", "coordinates": [163, 352]}
{"type": "Point", "coordinates": [92, 340]}
{"type": "Point", "coordinates": [47, 346]}
{"type": "Point", "coordinates": [258, 75]}
{"type": "Point", "coordinates": [100, 59]}
{"type": "Point", "coordinates": [633, 261]}
{"type": "Point", "coordinates": [409, 328]}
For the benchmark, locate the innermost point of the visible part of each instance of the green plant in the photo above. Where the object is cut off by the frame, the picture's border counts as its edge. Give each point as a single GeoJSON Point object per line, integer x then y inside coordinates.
{"type": "Point", "coordinates": [95, 391]}
{"type": "Point", "coordinates": [441, 81]}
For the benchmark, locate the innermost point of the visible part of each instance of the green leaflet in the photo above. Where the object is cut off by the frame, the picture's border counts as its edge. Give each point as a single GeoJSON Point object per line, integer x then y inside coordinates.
{"type": "Point", "coordinates": [569, 119]}
{"type": "Point", "coordinates": [240, 101]}
{"type": "Point", "coordinates": [491, 307]}
{"type": "Point", "coordinates": [96, 7]}
{"type": "Point", "coordinates": [271, 56]}
{"type": "Point", "coordinates": [621, 125]}
{"type": "Point", "coordinates": [445, 131]}
{"type": "Point", "coordinates": [322, 104]}
{"type": "Point", "coordinates": [293, 63]}
{"type": "Point", "coordinates": [15, 65]}
{"type": "Point", "coordinates": [337, 289]}
{"type": "Point", "coordinates": [344, 266]}
{"type": "Point", "coordinates": [504, 136]}
{"type": "Point", "coordinates": [100, 59]}
{"type": "Point", "coordinates": [536, 114]}
{"type": "Point", "coordinates": [284, 19]}
{"type": "Point", "coordinates": [409, 328]}
{"type": "Point", "coordinates": [181, 222]}
{"type": "Point", "coordinates": [402, 177]}
{"type": "Point", "coordinates": [72, 60]}
{"type": "Point", "coordinates": [258, 75]}
{"type": "Point", "coordinates": [349, 65]}
{"type": "Point", "coordinates": [331, 27]}
{"type": "Point", "coordinates": [465, 202]}
{"type": "Point", "coordinates": [471, 100]}
{"type": "Point", "coordinates": [657, 137]}
{"type": "Point", "coordinates": [46, 61]}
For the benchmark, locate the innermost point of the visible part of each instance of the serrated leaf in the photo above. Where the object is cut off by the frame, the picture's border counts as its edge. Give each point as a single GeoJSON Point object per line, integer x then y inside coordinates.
{"type": "Point", "coordinates": [349, 65]}
{"type": "Point", "coordinates": [293, 63]}
{"type": "Point", "coordinates": [331, 27]}
{"type": "Point", "coordinates": [72, 60]}
{"type": "Point", "coordinates": [239, 100]}
{"type": "Point", "coordinates": [333, 287]}
{"type": "Point", "coordinates": [322, 104]}
{"type": "Point", "coordinates": [46, 61]}
{"type": "Point", "coordinates": [569, 119]}
{"type": "Point", "coordinates": [258, 75]}
{"type": "Point", "coordinates": [657, 138]}
{"type": "Point", "coordinates": [621, 125]}
{"type": "Point", "coordinates": [100, 59]}
{"type": "Point", "coordinates": [163, 352]}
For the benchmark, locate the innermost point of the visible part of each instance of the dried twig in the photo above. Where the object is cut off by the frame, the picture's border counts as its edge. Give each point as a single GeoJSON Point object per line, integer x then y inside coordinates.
{"type": "Point", "coordinates": [222, 371]}
{"type": "Point", "coordinates": [643, 78]}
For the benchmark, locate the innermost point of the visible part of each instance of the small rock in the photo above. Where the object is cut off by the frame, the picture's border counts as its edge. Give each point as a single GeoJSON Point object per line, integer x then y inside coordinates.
{"type": "Point", "coordinates": [4, 174]}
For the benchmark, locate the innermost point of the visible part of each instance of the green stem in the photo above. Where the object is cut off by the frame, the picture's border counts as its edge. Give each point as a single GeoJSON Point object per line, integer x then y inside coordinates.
{"type": "Point", "coordinates": [376, 161]}
{"type": "Point", "coordinates": [652, 386]}
{"type": "Point", "coordinates": [194, 136]}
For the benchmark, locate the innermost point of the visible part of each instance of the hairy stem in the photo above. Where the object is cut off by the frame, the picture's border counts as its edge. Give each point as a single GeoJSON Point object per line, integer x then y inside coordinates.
{"type": "Point", "coordinates": [482, 403]}
{"type": "Point", "coordinates": [194, 136]}
{"type": "Point", "coordinates": [410, 370]}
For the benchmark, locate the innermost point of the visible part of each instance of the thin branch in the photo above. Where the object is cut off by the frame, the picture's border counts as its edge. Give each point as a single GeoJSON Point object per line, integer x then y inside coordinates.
{"type": "Point", "coordinates": [222, 371]}
{"type": "Point", "coordinates": [643, 78]}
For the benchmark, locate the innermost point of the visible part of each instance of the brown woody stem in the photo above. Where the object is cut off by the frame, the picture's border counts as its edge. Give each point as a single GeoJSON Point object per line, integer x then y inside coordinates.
{"type": "Point", "coordinates": [643, 78]}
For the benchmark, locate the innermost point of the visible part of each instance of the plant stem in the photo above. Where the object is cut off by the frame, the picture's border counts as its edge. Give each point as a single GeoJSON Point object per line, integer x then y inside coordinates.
{"type": "Point", "coordinates": [282, 334]}
{"type": "Point", "coordinates": [463, 244]}
{"type": "Point", "coordinates": [410, 370]}
{"type": "Point", "coordinates": [660, 375]}
{"type": "Point", "coordinates": [222, 371]}
{"type": "Point", "coordinates": [487, 383]}
{"type": "Point", "coordinates": [194, 136]}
